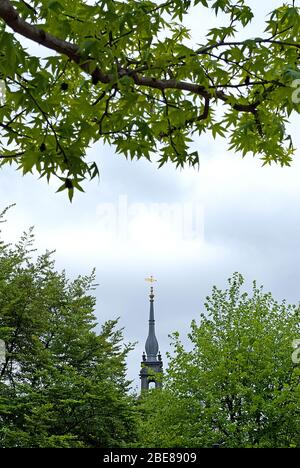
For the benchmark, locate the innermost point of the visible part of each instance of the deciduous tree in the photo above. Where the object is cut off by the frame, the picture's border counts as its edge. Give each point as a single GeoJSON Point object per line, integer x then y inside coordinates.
{"type": "Point", "coordinates": [63, 381]}
{"type": "Point", "coordinates": [236, 385]}
{"type": "Point", "coordinates": [124, 73]}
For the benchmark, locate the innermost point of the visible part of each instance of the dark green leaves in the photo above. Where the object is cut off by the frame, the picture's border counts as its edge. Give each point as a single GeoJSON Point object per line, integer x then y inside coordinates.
{"type": "Point", "coordinates": [236, 381]}
{"type": "Point", "coordinates": [63, 383]}
{"type": "Point", "coordinates": [70, 185]}
{"type": "Point", "coordinates": [117, 81]}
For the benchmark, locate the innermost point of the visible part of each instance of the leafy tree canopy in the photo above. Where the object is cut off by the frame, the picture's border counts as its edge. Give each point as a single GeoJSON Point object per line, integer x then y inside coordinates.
{"type": "Point", "coordinates": [236, 385]}
{"type": "Point", "coordinates": [62, 383]}
{"type": "Point", "coordinates": [123, 72]}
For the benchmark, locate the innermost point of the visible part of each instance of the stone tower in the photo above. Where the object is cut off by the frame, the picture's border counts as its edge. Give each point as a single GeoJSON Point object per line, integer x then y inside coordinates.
{"type": "Point", "coordinates": [151, 365]}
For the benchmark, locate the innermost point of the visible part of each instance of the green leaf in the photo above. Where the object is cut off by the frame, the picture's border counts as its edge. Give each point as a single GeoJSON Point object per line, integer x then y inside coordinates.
{"type": "Point", "coordinates": [54, 5]}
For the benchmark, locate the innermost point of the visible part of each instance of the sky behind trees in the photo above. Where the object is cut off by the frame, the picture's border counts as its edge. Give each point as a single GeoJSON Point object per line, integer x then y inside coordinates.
{"type": "Point", "coordinates": [190, 229]}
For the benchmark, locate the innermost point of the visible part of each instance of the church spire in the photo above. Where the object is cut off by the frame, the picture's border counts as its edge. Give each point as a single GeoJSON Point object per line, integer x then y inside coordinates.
{"type": "Point", "coordinates": [152, 362]}
{"type": "Point", "coordinates": [151, 346]}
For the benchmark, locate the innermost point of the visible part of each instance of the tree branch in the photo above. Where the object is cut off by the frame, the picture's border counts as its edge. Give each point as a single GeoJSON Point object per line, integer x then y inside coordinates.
{"type": "Point", "coordinates": [11, 17]}
{"type": "Point", "coordinates": [15, 155]}
{"type": "Point", "coordinates": [188, 122]}
{"type": "Point", "coordinates": [205, 50]}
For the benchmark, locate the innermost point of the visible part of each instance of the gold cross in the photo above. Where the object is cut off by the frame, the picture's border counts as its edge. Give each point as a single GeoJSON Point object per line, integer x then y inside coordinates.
{"type": "Point", "coordinates": [150, 279]}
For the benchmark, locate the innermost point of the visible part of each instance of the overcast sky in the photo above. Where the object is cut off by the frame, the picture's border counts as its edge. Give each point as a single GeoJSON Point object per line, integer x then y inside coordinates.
{"type": "Point", "coordinates": [191, 229]}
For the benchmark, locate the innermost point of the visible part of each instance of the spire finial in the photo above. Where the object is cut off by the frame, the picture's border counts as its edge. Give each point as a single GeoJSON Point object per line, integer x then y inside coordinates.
{"type": "Point", "coordinates": [151, 280]}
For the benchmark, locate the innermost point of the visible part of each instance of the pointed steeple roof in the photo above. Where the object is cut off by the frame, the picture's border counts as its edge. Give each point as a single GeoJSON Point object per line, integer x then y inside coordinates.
{"type": "Point", "coordinates": [151, 365]}
{"type": "Point", "coordinates": [151, 342]}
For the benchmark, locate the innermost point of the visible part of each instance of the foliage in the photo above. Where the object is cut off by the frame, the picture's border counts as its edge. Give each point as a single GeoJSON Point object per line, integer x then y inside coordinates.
{"type": "Point", "coordinates": [125, 73]}
{"type": "Point", "coordinates": [63, 383]}
{"type": "Point", "coordinates": [237, 386]}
